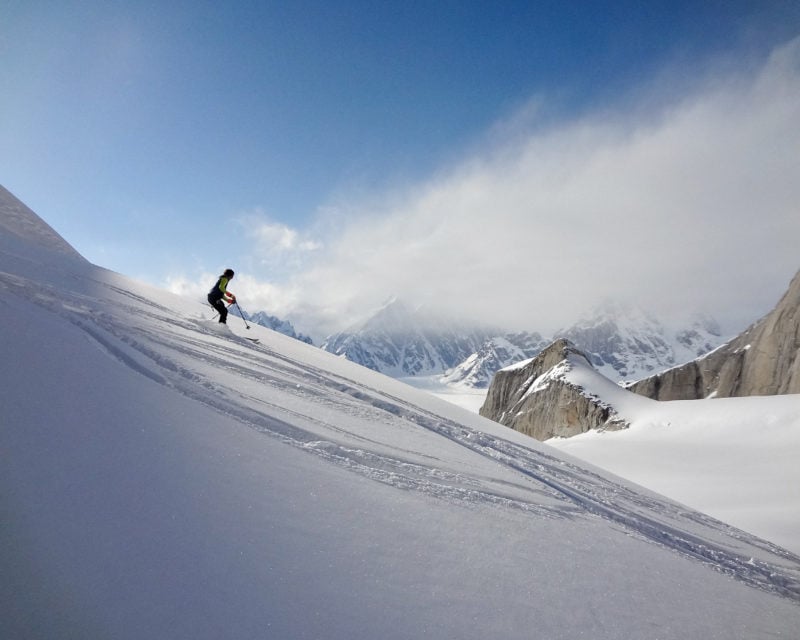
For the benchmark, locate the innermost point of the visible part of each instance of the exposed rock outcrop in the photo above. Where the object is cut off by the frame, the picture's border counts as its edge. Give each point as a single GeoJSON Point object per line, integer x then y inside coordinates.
{"type": "Point", "coordinates": [764, 360]}
{"type": "Point", "coordinates": [541, 397]}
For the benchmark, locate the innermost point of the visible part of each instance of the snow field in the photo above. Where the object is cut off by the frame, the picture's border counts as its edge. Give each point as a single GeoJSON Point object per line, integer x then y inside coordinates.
{"type": "Point", "coordinates": [161, 478]}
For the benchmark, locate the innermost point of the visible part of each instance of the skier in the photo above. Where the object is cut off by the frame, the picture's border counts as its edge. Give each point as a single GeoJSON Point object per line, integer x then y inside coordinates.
{"type": "Point", "coordinates": [219, 295]}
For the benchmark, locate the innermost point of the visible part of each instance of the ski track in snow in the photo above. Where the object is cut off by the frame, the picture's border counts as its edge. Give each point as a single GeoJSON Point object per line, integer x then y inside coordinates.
{"type": "Point", "coordinates": [176, 355]}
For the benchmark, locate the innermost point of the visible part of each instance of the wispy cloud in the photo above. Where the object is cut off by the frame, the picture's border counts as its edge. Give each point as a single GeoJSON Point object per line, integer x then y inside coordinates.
{"type": "Point", "coordinates": [273, 248]}
{"type": "Point", "coordinates": [278, 238]}
{"type": "Point", "coordinates": [690, 205]}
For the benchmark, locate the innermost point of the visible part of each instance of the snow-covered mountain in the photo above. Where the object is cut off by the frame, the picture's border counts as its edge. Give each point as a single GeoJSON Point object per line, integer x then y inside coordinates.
{"type": "Point", "coordinates": [625, 343]}
{"type": "Point", "coordinates": [496, 353]}
{"type": "Point", "coordinates": [276, 324]}
{"type": "Point", "coordinates": [163, 477]}
{"type": "Point", "coordinates": [401, 341]}
{"type": "Point", "coordinates": [621, 340]}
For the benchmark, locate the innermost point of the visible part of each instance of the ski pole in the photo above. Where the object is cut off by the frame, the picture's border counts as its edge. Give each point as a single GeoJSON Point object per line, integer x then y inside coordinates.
{"type": "Point", "coordinates": [241, 314]}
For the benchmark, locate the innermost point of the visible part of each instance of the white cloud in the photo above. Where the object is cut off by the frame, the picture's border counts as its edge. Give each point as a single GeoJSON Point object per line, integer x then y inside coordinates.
{"type": "Point", "coordinates": [281, 239]}
{"type": "Point", "coordinates": [273, 250]}
{"type": "Point", "coordinates": [190, 287]}
{"type": "Point", "coordinates": [693, 205]}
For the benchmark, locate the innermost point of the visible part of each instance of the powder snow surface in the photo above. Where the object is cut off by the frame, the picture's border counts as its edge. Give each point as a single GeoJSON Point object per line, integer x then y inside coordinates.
{"type": "Point", "coordinates": [734, 458]}
{"type": "Point", "coordinates": [162, 477]}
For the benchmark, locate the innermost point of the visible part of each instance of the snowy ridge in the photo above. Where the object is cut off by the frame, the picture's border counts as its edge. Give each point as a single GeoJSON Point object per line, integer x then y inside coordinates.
{"type": "Point", "coordinates": [18, 220]}
{"type": "Point", "coordinates": [578, 374]}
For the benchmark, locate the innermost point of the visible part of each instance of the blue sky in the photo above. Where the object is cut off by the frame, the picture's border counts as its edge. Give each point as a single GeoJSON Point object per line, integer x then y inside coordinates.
{"type": "Point", "coordinates": [303, 143]}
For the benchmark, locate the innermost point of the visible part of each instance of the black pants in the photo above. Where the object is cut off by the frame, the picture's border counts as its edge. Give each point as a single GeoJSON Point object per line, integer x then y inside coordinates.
{"type": "Point", "coordinates": [219, 305]}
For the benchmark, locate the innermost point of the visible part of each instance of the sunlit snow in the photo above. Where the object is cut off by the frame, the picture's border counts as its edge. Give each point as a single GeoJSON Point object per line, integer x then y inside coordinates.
{"type": "Point", "coordinates": [165, 478]}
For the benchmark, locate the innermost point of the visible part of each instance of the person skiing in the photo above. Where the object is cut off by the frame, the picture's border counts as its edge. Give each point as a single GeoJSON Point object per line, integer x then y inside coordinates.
{"type": "Point", "coordinates": [219, 295]}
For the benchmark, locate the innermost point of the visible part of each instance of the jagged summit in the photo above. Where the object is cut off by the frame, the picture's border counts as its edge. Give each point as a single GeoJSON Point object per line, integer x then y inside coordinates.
{"type": "Point", "coordinates": [19, 222]}
{"type": "Point", "coordinates": [495, 354]}
{"type": "Point", "coordinates": [624, 342]}
{"type": "Point", "coordinates": [392, 316]}
{"type": "Point", "coordinates": [620, 340]}
{"type": "Point", "coordinates": [401, 341]}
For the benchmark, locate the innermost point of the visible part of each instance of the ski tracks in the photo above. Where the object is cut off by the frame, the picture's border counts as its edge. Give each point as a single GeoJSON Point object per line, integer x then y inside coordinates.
{"type": "Point", "coordinates": [579, 491]}
{"type": "Point", "coordinates": [646, 515]}
{"type": "Point", "coordinates": [548, 486]}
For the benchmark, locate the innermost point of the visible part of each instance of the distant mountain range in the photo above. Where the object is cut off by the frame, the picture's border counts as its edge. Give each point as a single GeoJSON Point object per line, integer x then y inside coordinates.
{"type": "Point", "coordinates": [621, 341]}
{"type": "Point", "coordinates": [401, 341]}
{"type": "Point", "coordinates": [625, 343]}
{"type": "Point", "coordinates": [276, 324]}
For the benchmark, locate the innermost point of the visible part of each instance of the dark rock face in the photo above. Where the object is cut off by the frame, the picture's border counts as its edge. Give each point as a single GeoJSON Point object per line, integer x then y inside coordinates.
{"type": "Point", "coordinates": [538, 399]}
{"type": "Point", "coordinates": [761, 361]}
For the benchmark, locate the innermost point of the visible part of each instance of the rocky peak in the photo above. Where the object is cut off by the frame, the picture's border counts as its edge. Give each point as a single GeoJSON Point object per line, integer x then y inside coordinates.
{"type": "Point", "coordinates": [559, 351]}
{"type": "Point", "coordinates": [763, 360]}
{"type": "Point", "coordinates": [394, 316]}
{"type": "Point", "coordinates": [542, 397]}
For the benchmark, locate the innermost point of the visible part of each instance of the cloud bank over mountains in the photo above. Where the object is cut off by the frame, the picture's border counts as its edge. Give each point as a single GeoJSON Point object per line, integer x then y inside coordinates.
{"type": "Point", "coordinates": [684, 197]}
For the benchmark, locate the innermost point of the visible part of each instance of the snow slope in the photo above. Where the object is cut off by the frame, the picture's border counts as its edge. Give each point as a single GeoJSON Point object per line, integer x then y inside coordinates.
{"type": "Point", "coordinates": [734, 458]}
{"type": "Point", "coordinates": [164, 478]}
